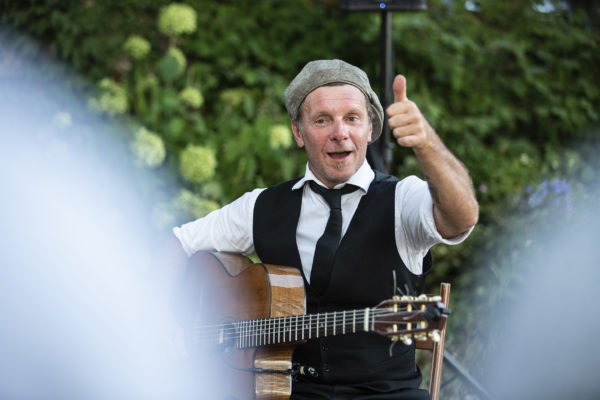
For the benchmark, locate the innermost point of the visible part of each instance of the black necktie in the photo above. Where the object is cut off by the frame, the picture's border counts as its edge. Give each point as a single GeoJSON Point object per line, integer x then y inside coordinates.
{"type": "Point", "coordinates": [328, 243]}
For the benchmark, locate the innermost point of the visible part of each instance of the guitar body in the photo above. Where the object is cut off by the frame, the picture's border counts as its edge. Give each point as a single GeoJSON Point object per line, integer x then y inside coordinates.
{"type": "Point", "coordinates": [222, 288]}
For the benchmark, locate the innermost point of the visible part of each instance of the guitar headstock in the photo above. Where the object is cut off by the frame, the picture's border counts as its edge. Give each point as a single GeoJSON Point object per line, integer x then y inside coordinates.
{"type": "Point", "coordinates": [406, 318]}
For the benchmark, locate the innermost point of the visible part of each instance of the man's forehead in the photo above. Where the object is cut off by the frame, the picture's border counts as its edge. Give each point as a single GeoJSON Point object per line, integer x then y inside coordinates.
{"type": "Point", "coordinates": [335, 95]}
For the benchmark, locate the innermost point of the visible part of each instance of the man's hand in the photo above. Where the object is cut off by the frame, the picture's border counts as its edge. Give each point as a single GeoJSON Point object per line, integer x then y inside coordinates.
{"type": "Point", "coordinates": [455, 207]}
{"type": "Point", "coordinates": [408, 125]}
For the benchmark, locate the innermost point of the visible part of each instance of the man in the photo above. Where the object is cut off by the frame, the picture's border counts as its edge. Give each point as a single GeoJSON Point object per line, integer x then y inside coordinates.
{"type": "Point", "coordinates": [387, 225]}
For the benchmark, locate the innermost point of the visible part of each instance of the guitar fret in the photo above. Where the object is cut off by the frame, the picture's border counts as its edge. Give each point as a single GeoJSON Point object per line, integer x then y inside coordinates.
{"type": "Point", "coordinates": [325, 334]}
{"type": "Point", "coordinates": [343, 322]}
{"type": "Point", "coordinates": [303, 318]}
{"type": "Point", "coordinates": [366, 320]}
{"type": "Point", "coordinates": [273, 331]}
{"type": "Point", "coordinates": [266, 333]}
{"type": "Point", "coordinates": [290, 328]}
{"type": "Point", "coordinates": [310, 326]}
{"type": "Point", "coordinates": [317, 326]}
{"type": "Point", "coordinates": [353, 321]}
{"type": "Point", "coordinates": [249, 333]}
{"type": "Point", "coordinates": [255, 332]}
{"type": "Point", "coordinates": [334, 314]}
{"type": "Point", "coordinates": [242, 336]}
{"type": "Point", "coordinates": [260, 332]}
{"type": "Point", "coordinates": [296, 327]}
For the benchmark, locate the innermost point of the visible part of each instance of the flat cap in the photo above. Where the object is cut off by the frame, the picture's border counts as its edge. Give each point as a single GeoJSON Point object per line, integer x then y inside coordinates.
{"type": "Point", "coordinates": [321, 72]}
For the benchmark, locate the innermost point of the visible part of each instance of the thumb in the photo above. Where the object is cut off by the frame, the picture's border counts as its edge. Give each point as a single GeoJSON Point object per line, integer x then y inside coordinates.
{"type": "Point", "coordinates": [400, 88]}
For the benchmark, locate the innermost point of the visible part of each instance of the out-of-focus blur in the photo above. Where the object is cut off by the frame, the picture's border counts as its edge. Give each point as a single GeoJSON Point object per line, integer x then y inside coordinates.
{"type": "Point", "coordinates": [547, 338]}
{"type": "Point", "coordinates": [81, 315]}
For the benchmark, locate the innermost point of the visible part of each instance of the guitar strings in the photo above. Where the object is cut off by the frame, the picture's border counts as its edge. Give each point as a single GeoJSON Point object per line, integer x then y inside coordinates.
{"type": "Point", "coordinates": [260, 331]}
{"type": "Point", "coordinates": [287, 321]}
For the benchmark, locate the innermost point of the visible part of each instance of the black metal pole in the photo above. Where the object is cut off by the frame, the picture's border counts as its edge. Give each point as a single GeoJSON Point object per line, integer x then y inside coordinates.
{"type": "Point", "coordinates": [379, 153]}
{"type": "Point", "coordinates": [386, 82]}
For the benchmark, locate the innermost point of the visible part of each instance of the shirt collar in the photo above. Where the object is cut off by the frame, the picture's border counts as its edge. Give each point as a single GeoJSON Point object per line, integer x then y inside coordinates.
{"type": "Point", "coordinates": [361, 178]}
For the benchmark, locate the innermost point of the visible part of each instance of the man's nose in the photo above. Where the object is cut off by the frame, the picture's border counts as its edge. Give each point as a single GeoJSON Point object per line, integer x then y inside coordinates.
{"type": "Point", "coordinates": [339, 131]}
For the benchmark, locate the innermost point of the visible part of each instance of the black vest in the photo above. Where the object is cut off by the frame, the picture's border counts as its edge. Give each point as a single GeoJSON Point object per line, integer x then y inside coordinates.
{"type": "Point", "coordinates": [362, 276]}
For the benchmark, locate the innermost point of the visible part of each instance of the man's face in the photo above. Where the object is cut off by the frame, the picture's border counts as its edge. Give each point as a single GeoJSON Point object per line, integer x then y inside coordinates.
{"type": "Point", "coordinates": [335, 131]}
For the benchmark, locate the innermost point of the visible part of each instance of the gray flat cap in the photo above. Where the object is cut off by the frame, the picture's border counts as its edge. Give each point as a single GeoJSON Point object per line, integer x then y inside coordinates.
{"type": "Point", "coordinates": [321, 72]}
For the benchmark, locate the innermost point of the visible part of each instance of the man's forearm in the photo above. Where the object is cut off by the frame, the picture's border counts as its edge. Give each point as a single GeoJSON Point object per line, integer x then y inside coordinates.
{"type": "Point", "coordinates": [454, 204]}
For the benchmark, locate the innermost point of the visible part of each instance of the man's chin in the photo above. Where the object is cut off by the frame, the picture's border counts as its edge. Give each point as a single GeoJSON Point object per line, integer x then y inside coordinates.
{"type": "Point", "coordinates": [340, 174]}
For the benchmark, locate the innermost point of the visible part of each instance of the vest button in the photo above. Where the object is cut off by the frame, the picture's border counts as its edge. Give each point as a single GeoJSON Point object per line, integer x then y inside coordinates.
{"type": "Point", "coordinates": [324, 346]}
{"type": "Point", "coordinates": [312, 372]}
{"type": "Point", "coordinates": [325, 368]}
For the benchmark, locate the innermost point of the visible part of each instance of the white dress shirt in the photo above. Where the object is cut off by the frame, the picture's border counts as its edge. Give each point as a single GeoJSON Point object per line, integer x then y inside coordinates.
{"type": "Point", "coordinates": [230, 228]}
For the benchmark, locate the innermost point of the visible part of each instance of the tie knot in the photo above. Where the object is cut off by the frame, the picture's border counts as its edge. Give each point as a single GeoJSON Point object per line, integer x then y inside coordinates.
{"type": "Point", "coordinates": [333, 197]}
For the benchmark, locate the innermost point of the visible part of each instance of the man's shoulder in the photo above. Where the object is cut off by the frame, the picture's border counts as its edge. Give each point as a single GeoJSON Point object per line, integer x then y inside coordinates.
{"type": "Point", "coordinates": [382, 177]}
{"type": "Point", "coordinates": [287, 185]}
{"type": "Point", "coordinates": [279, 189]}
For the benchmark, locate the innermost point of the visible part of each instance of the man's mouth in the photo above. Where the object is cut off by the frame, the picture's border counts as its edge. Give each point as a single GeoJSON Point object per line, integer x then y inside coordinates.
{"type": "Point", "coordinates": [339, 155]}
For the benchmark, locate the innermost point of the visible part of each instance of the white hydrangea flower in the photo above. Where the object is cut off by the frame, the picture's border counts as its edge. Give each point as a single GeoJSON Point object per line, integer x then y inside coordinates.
{"type": "Point", "coordinates": [280, 137]}
{"type": "Point", "coordinates": [194, 205]}
{"type": "Point", "coordinates": [192, 97]}
{"type": "Point", "coordinates": [197, 163]}
{"type": "Point", "coordinates": [137, 47]}
{"type": "Point", "coordinates": [148, 148]}
{"type": "Point", "coordinates": [112, 98]}
{"type": "Point", "coordinates": [177, 19]}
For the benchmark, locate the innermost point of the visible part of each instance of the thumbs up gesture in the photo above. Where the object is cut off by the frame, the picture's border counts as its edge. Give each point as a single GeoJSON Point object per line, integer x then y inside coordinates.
{"type": "Point", "coordinates": [408, 125]}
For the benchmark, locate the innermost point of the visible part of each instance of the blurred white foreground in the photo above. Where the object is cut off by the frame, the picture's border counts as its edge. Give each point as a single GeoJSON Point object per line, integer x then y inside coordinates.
{"type": "Point", "coordinates": [80, 314]}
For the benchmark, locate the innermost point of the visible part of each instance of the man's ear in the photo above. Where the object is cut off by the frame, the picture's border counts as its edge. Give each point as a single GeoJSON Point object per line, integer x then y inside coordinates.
{"type": "Point", "coordinates": [370, 132]}
{"type": "Point", "coordinates": [297, 134]}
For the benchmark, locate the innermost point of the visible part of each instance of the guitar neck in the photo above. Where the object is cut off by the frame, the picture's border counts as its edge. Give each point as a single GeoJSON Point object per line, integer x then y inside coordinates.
{"type": "Point", "coordinates": [262, 332]}
{"type": "Point", "coordinates": [390, 318]}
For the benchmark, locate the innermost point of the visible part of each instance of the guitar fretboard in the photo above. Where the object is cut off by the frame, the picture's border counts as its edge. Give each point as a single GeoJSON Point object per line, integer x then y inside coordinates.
{"type": "Point", "coordinates": [262, 332]}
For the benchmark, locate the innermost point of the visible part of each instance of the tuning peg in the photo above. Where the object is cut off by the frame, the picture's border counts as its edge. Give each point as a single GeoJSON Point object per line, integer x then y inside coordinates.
{"type": "Point", "coordinates": [406, 339]}
{"type": "Point", "coordinates": [435, 335]}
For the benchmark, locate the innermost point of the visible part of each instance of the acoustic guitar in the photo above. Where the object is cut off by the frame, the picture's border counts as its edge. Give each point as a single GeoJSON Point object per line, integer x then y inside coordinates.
{"type": "Point", "coordinates": [247, 317]}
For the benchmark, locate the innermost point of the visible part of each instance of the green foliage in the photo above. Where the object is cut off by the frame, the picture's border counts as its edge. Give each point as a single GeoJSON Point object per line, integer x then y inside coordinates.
{"type": "Point", "coordinates": [512, 91]}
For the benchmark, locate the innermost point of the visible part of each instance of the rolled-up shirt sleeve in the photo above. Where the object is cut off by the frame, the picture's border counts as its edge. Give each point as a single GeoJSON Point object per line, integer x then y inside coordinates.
{"type": "Point", "coordinates": [226, 229]}
{"type": "Point", "coordinates": [415, 227]}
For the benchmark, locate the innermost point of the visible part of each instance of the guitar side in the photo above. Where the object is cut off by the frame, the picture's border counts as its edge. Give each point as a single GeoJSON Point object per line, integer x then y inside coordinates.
{"type": "Point", "coordinates": [224, 288]}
